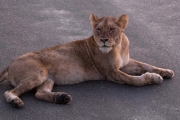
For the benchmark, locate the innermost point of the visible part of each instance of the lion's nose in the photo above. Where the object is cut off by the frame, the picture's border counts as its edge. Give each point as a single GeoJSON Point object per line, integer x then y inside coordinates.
{"type": "Point", "coordinates": [104, 40]}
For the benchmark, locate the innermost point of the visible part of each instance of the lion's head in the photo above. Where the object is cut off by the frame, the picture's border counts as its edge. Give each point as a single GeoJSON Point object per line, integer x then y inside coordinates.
{"type": "Point", "coordinates": [107, 31]}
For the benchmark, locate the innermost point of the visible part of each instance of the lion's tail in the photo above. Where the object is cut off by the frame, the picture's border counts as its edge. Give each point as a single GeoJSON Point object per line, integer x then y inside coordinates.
{"type": "Point", "coordinates": [4, 74]}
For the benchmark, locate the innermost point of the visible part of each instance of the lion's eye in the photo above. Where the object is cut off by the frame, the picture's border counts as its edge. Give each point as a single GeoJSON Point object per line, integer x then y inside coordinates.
{"type": "Point", "coordinates": [98, 30]}
{"type": "Point", "coordinates": [111, 29]}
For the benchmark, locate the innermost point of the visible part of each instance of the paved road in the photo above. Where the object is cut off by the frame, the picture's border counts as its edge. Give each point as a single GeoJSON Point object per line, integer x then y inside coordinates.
{"type": "Point", "coordinates": [153, 30]}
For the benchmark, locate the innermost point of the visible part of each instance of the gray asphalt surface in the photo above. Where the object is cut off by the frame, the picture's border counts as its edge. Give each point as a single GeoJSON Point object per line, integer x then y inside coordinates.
{"type": "Point", "coordinates": [153, 31]}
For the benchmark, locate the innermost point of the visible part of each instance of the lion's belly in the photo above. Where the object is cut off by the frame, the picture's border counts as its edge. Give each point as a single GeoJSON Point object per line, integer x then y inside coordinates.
{"type": "Point", "coordinates": [74, 73]}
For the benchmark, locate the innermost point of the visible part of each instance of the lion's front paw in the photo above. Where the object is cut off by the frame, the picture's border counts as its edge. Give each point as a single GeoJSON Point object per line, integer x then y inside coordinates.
{"type": "Point", "coordinates": [152, 78]}
{"type": "Point", "coordinates": [156, 78]}
{"type": "Point", "coordinates": [167, 74]}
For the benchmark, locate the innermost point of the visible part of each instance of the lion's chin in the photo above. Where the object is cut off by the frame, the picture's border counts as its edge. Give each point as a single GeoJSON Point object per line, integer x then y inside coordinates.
{"type": "Point", "coordinates": [105, 49]}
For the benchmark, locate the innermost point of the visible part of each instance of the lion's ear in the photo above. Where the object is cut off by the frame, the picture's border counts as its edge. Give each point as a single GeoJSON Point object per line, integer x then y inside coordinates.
{"type": "Point", "coordinates": [123, 20]}
{"type": "Point", "coordinates": [94, 19]}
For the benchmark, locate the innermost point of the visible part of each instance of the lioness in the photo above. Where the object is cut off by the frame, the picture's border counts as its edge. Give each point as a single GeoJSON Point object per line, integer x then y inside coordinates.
{"type": "Point", "coordinates": [103, 56]}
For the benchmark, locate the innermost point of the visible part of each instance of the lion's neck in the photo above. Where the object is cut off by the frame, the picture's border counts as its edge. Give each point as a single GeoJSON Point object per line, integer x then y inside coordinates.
{"type": "Point", "coordinates": [91, 48]}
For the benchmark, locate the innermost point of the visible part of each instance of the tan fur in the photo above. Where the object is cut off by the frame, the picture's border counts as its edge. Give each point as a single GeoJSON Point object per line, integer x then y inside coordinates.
{"type": "Point", "coordinates": [103, 56]}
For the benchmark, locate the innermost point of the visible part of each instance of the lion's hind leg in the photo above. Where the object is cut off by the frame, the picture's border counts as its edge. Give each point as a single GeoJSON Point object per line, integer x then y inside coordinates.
{"type": "Point", "coordinates": [44, 93]}
{"type": "Point", "coordinates": [12, 96]}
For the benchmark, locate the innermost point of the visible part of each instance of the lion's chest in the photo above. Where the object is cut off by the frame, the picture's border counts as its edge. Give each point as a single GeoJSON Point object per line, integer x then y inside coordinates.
{"type": "Point", "coordinates": [113, 60]}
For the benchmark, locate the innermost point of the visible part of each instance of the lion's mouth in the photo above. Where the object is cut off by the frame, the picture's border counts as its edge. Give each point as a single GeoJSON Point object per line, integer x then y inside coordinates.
{"type": "Point", "coordinates": [105, 46]}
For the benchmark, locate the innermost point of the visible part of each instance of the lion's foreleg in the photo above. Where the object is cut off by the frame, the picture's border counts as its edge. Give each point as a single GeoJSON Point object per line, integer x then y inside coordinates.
{"type": "Point", "coordinates": [144, 79]}
{"type": "Point", "coordinates": [138, 68]}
